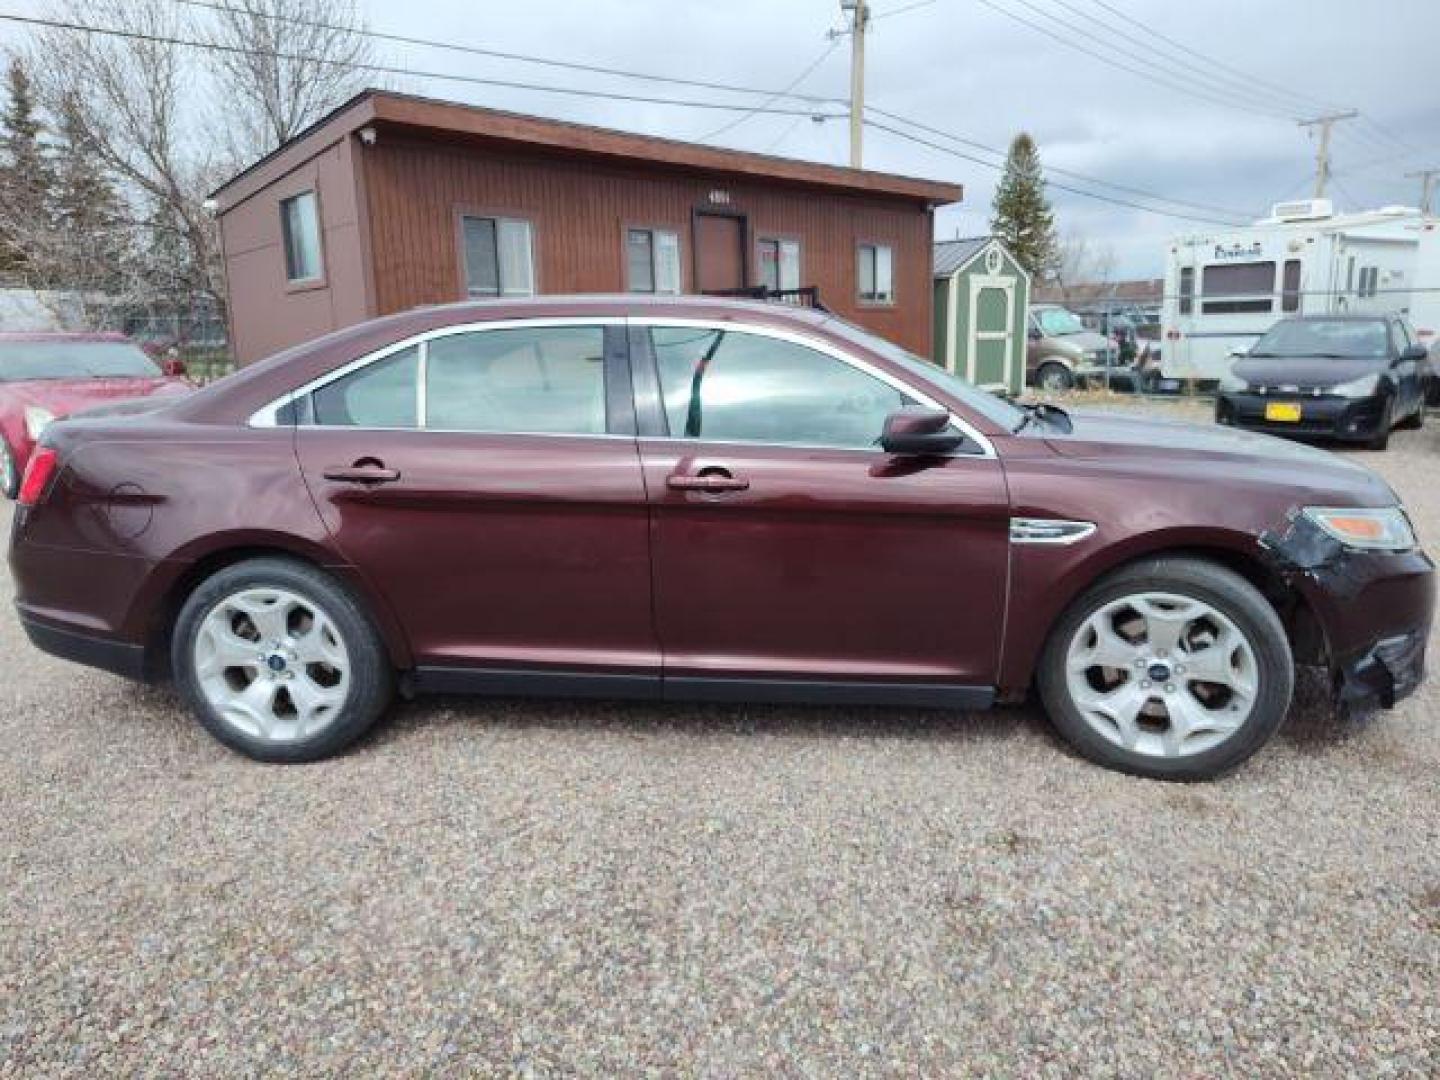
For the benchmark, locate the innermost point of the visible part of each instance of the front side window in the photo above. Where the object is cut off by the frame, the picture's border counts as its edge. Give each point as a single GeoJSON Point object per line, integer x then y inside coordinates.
{"type": "Point", "coordinates": [378, 395]}
{"type": "Point", "coordinates": [652, 259]}
{"type": "Point", "coordinates": [875, 273]}
{"type": "Point", "coordinates": [730, 386]}
{"type": "Point", "coordinates": [1238, 288]}
{"type": "Point", "coordinates": [548, 380]}
{"type": "Point", "coordinates": [300, 231]}
{"type": "Point", "coordinates": [498, 256]}
{"type": "Point", "coordinates": [780, 264]}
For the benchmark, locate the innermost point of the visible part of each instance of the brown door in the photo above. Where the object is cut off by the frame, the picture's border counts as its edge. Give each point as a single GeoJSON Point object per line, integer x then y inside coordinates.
{"type": "Point", "coordinates": [720, 252]}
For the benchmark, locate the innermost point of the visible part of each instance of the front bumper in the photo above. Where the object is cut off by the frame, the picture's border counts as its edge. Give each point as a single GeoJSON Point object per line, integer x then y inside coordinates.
{"type": "Point", "coordinates": [1320, 417]}
{"type": "Point", "coordinates": [1392, 670]}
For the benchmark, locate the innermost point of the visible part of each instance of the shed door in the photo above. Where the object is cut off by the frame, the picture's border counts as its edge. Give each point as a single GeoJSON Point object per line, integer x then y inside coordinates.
{"type": "Point", "coordinates": [991, 346]}
{"type": "Point", "coordinates": [719, 252]}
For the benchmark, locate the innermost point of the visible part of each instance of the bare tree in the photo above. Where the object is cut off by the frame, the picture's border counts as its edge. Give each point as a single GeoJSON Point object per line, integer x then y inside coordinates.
{"type": "Point", "coordinates": [285, 64]}
{"type": "Point", "coordinates": [1077, 263]}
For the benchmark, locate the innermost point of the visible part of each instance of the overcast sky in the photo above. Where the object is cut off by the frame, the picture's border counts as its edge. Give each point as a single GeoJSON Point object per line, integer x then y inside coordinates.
{"type": "Point", "coordinates": [965, 67]}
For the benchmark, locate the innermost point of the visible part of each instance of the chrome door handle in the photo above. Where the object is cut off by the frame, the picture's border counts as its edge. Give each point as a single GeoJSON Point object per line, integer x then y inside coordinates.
{"type": "Point", "coordinates": [708, 482]}
{"type": "Point", "coordinates": [362, 474]}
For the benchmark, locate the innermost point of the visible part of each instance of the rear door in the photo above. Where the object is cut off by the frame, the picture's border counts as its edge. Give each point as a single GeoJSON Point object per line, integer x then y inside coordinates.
{"type": "Point", "coordinates": [485, 480]}
{"type": "Point", "coordinates": [788, 548]}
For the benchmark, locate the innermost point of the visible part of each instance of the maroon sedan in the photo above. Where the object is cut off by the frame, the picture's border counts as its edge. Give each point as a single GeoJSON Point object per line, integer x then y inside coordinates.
{"type": "Point", "coordinates": [704, 500]}
{"type": "Point", "coordinates": [46, 376]}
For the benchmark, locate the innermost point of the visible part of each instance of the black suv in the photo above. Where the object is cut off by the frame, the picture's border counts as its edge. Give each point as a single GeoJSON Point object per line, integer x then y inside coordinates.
{"type": "Point", "coordinates": [1350, 377]}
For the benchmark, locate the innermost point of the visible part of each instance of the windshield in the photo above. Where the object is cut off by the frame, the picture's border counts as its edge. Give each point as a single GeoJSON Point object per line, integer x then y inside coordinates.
{"type": "Point", "coordinates": [24, 360]}
{"type": "Point", "coordinates": [1339, 338]}
{"type": "Point", "coordinates": [987, 404]}
{"type": "Point", "coordinates": [1057, 322]}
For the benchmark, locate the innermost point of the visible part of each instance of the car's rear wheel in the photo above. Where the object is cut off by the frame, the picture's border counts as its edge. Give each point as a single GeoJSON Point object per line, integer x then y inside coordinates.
{"type": "Point", "coordinates": [1054, 377]}
{"type": "Point", "coordinates": [1173, 668]}
{"type": "Point", "coordinates": [279, 661]}
{"type": "Point", "coordinates": [9, 474]}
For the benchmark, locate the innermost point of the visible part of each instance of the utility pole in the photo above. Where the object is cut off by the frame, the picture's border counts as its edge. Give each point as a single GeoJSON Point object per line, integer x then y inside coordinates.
{"type": "Point", "coordinates": [859, 12]}
{"type": "Point", "coordinates": [1322, 152]}
{"type": "Point", "coordinates": [1427, 186]}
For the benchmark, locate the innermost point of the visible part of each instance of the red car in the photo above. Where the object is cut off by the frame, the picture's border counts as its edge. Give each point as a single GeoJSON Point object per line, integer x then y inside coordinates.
{"type": "Point", "coordinates": [44, 377]}
{"type": "Point", "coordinates": [709, 500]}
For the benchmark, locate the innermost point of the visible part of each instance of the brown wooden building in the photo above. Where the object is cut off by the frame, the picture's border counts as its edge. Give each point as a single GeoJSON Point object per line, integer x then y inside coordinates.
{"type": "Point", "coordinates": [393, 201]}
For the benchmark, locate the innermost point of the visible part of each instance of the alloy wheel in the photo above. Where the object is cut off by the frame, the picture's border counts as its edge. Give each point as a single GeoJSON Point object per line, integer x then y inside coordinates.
{"type": "Point", "coordinates": [1162, 674]}
{"type": "Point", "coordinates": [272, 664]}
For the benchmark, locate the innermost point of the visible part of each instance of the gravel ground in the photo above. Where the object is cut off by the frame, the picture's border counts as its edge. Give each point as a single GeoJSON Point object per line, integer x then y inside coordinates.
{"type": "Point", "coordinates": [554, 888]}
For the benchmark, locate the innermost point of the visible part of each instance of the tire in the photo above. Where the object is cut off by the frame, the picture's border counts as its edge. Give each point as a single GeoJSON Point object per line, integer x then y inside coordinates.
{"type": "Point", "coordinates": [9, 475]}
{"type": "Point", "coordinates": [1054, 376]}
{"type": "Point", "coordinates": [336, 657]}
{"type": "Point", "coordinates": [1416, 420]}
{"type": "Point", "coordinates": [1211, 597]}
{"type": "Point", "coordinates": [1381, 439]}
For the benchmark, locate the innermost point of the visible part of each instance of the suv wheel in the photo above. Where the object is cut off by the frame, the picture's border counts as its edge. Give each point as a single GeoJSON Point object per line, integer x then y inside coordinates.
{"type": "Point", "coordinates": [1054, 377]}
{"type": "Point", "coordinates": [279, 662]}
{"type": "Point", "coordinates": [1176, 669]}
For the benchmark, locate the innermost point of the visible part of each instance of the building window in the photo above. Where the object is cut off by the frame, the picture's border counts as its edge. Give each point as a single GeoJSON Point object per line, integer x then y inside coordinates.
{"type": "Point", "coordinates": [300, 227]}
{"type": "Point", "coordinates": [498, 259]}
{"type": "Point", "coordinates": [1237, 288]}
{"type": "Point", "coordinates": [780, 264]}
{"type": "Point", "coordinates": [1369, 280]}
{"type": "Point", "coordinates": [653, 258]}
{"type": "Point", "coordinates": [875, 273]}
{"type": "Point", "coordinates": [1290, 298]}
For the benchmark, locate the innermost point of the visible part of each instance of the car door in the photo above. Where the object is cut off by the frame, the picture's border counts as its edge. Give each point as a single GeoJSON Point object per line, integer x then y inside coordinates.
{"type": "Point", "coordinates": [1410, 374]}
{"type": "Point", "coordinates": [485, 480]}
{"type": "Point", "coordinates": [789, 550]}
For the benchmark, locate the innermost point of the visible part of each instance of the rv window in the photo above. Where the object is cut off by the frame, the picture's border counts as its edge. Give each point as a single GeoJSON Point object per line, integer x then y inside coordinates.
{"type": "Point", "coordinates": [1238, 288]}
{"type": "Point", "coordinates": [1187, 290]}
{"type": "Point", "coordinates": [1290, 299]}
{"type": "Point", "coordinates": [1369, 279]}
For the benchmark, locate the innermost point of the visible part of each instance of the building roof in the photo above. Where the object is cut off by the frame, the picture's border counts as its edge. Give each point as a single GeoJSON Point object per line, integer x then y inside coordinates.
{"type": "Point", "coordinates": [384, 110]}
{"type": "Point", "coordinates": [951, 255]}
{"type": "Point", "coordinates": [1141, 291]}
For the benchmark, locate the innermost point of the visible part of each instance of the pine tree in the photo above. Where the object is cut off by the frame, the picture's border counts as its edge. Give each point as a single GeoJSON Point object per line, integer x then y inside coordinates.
{"type": "Point", "coordinates": [1023, 220]}
{"type": "Point", "coordinates": [88, 217]}
{"type": "Point", "coordinates": [25, 174]}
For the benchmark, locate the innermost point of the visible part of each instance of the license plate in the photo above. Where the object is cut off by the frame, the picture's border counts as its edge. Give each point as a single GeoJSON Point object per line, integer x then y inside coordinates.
{"type": "Point", "coordinates": [1284, 411]}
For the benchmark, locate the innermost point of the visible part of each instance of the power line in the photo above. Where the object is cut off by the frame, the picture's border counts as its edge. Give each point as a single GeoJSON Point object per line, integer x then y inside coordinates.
{"type": "Point", "coordinates": [901, 10]}
{"type": "Point", "coordinates": [737, 121]}
{"type": "Point", "coordinates": [386, 69]}
{"type": "Point", "coordinates": [1205, 94]}
{"type": "Point", "coordinates": [1059, 171]}
{"type": "Point", "coordinates": [497, 54]}
{"type": "Point", "coordinates": [1051, 183]}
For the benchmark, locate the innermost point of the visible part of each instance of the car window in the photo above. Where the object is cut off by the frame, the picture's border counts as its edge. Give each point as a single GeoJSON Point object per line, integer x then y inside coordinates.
{"type": "Point", "coordinates": [1322, 338]}
{"type": "Point", "coordinates": [61, 359]}
{"type": "Point", "coordinates": [1057, 322]}
{"type": "Point", "coordinates": [732, 386]}
{"type": "Point", "coordinates": [548, 380]}
{"type": "Point", "coordinates": [378, 395]}
{"type": "Point", "coordinates": [1399, 336]}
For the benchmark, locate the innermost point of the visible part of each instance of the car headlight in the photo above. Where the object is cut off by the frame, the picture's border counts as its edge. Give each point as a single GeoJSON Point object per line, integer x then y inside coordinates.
{"type": "Point", "coordinates": [37, 420]}
{"type": "Point", "coordinates": [1368, 529]}
{"type": "Point", "coordinates": [1364, 386]}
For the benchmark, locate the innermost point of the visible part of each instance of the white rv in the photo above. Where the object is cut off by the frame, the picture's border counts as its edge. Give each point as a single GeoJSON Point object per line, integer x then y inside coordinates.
{"type": "Point", "coordinates": [1224, 289]}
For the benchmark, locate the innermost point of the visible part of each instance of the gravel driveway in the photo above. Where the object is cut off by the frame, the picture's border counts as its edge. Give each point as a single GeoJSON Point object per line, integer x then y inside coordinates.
{"type": "Point", "coordinates": [559, 888]}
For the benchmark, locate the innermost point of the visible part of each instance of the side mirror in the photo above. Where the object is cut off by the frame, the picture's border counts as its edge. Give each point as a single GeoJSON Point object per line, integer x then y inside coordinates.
{"type": "Point", "coordinates": [1034, 333]}
{"type": "Point", "coordinates": [1415, 352]}
{"type": "Point", "coordinates": [173, 367]}
{"type": "Point", "coordinates": [920, 432]}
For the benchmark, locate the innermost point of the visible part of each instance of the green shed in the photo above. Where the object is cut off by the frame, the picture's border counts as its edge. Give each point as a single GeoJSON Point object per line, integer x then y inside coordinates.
{"type": "Point", "coordinates": [981, 297]}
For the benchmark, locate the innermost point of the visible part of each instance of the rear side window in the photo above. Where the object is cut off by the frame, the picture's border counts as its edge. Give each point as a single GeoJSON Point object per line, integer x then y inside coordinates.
{"type": "Point", "coordinates": [379, 395]}
{"type": "Point", "coordinates": [547, 380]}
{"type": "Point", "coordinates": [729, 386]}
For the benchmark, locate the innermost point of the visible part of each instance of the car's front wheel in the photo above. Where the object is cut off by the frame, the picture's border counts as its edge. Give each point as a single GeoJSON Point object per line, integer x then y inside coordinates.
{"type": "Point", "coordinates": [1054, 377]}
{"type": "Point", "coordinates": [279, 661]}
{"type": "Point", "coordinates": [1173, 668]}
